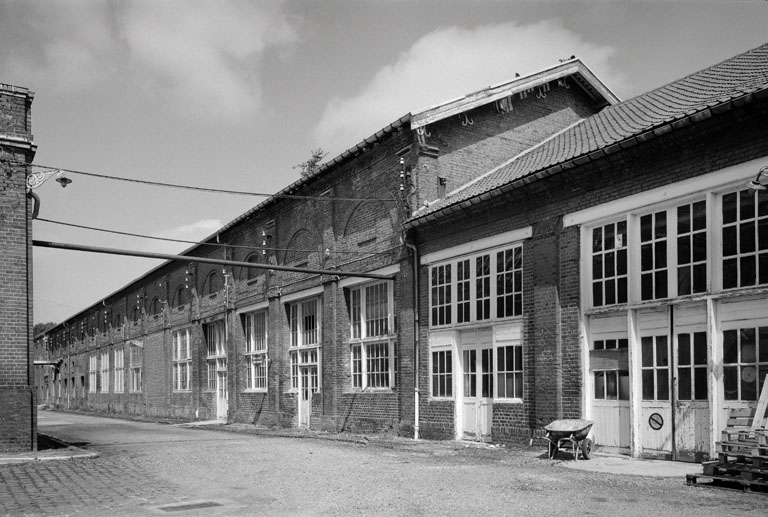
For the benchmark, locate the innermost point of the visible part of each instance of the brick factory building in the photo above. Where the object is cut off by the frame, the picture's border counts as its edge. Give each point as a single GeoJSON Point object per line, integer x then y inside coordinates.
{"type": "Point", "coordinates": [570, 255]}
{"type": "Point", "coordinates": [18, 423]}
{"type": "Point", "coordinates": [617, 271]}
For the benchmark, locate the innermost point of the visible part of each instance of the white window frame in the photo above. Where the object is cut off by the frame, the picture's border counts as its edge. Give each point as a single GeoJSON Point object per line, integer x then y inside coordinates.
{"type": "Point", "coordinates": [372, 344]}
{"type": "Point", "coordinates": [714, 235]}
{"type": "Point", "coordinates": [447, 373]}
{"type": "Point", "coordinates": [104, 359]}
{"type": "Point", "coordinates": [741, 254]}
{"type": "Point", "coordinates": [136, 361]}
{"type": "Point", "coordinates": [299, 314]}
{"type": "Point", "coordinates": [445, 296]}
{"type": "Point", "coordinates": [517, 371]}
{"type": "Point", "coordinates": [762, 366]}
{"type": "Point", "coordinates": [634, 250]}
{"type": "Point", "coordinates": [256, 353]}
{"type": "Point", "coordinates": [182, 360]}
{"type": "Point", "coordinates": [119, 370]}
{"type": "Point", "coordinates": [302, 340]}
{"type": "Point", "coordinates": [216, 351]}
{"type": "Point", "coordinates": [93, 373]}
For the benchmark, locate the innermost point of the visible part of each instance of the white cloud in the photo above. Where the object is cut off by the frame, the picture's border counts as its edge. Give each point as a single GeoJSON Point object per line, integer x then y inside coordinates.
{"type": "Point", "coordinates": [194, 231]}
{"type": "Point", "coordinates": [448, 63]}
{"type": "Point", "coordinates": [204, 54]}
{"type": "Point", "coordinates": [200, 57]}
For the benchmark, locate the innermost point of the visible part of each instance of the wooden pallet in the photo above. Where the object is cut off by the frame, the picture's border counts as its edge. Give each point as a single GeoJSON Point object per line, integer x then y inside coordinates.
{"type": "Point", "coordinates": [742, 454]}
{"type": "Point", "coordinates": [727, 481]}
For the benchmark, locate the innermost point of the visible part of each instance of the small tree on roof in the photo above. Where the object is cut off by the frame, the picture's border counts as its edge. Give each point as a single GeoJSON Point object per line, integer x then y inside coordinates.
{"type": "Point", "coordinates": [312, 165]}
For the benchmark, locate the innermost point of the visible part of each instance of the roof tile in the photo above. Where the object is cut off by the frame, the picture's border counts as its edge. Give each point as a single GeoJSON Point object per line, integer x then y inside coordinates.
{"type": "Point", "coordinates": [713, 86]}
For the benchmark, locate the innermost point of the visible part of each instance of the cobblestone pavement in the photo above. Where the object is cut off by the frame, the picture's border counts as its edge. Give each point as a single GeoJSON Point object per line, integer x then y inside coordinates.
{"type": "Point", "coordinates": [154, 469]}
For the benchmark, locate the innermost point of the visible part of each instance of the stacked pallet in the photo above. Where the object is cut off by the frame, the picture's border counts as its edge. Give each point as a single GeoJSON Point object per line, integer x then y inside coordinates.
{"type": "Point", "coordinates": [742, 453]}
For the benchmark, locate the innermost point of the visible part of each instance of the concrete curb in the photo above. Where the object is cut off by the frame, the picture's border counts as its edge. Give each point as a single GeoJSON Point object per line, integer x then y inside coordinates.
{"type": "Point", "coordinates": [64, 452]}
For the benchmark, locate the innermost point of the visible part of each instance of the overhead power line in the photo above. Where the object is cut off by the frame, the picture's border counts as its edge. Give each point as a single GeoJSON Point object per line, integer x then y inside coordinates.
{"type": "Point", "coordinates": [213, 244]}
{"type": "Point", "coordinates": [206, 189]}
{"type": "Point", "coordinates": [205, 260]}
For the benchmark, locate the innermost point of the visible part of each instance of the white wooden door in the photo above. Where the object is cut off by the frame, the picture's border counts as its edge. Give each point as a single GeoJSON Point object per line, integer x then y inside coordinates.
{"type": "Point", "coordinates": [308, 383]}
{"type": "Point", "coordinates": [477, 376]}
{"type": "Point", "coordinates": [655, 357]}
{"type": "Point", "coordinates": [692, 413]}
{"type": "Point", "coordinates": [609, 383]}
{"type": "Point", "coordinates": [307, 386]}
{"type": "Point", "coordinates": [222, 394]}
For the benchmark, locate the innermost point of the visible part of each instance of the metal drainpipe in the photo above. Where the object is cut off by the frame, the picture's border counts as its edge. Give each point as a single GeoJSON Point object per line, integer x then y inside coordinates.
{"type": "Point", "coordinates": [416, 333]}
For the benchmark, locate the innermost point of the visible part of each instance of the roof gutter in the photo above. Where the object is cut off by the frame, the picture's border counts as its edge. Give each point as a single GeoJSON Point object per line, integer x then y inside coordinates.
{"type": "Point", "coordinates": [591, 156]}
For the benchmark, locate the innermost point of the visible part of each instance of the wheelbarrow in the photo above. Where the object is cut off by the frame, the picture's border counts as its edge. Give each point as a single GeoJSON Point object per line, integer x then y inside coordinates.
{"type": "Point", "coordinates": [570, 435]}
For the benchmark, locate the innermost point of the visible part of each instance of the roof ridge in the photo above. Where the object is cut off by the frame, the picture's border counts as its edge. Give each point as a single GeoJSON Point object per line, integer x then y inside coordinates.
{"type": "Point", "coordinates": [692, 74]}
{"type": "Point", "coordinates": [607, 130]}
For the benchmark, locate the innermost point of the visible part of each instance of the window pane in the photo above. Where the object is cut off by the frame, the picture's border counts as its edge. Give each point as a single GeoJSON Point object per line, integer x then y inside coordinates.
{"type": "Point", "coordinates": [610, 262]}
{"type": "Point", "coordinates": [729, 241]}
{"type": "Point", "coordinates": [731, 383]}
{"type": "Point", "coordinates": [660, 226]}
{"type": "Point", "coordinates": [748, 345]}
{"type": "Point", "coordinates": [597, 239]}
{"type": "Point", "coordinates": [700, 348]}
{"type": "Point", "coordinates": [663, 384]}
{"type": "Point", "coordinates": [748, 383]}
{"type": "Point", "coordinates": [763, 336]}
{"type": "Point", "coordinates": [662, 353]}
{"type": "Point", "coordinates": [648, 390]}
{"type": "Point", "coordinates": [746, 204]}
{"type": "Point", "coordinates": [684, 280]}
{"type": "Point", "coordinates": [623, 385]}
{"type": "Point", "coordinates": [646, 228]}
{"type": "Point", "coordinates": [611, 387]}
{"type": "Point", "coordinates": [599, 385]}
{"type": "Point", "coordinates": [730, 342]}
{"type": "Point", "coordinates": [684, 384]}
{"type": "Point", "coordinates": [621, 262]}
{"type": "Point", "coordinates": [647, 350]}
{"type": "Point", "coordinates": [730, 273]}
{"type": "Point", "coordinates": [747, 237]}
{"type": "Point", "coordinates": [699, 278]}
{"type": "Point", "coordinates": [699, 215]}
{"type": "Point", "coordinates": [684, 219]}
{"type": "Point", "coordinates": [609, 241]}
{"type": "Point", "coordinates": [699, 246]}
{"type": "Point", "coordinates": [661, 284]}
{"type": "Point", "coordinates": [621, 234]}
{"type": "Point", "coordinates": [700, 384]}
{"type": "Point", "coordinates": [621, 290]}
{"type": "Point", "coordinates": [729, 208]}
{"type": "Point", "coordinates": [748, 270]}
{"type": "Point", "coordinates": [684, 349]}
{"type": "Point", "coordinates": [683, 250]}
{"type": "Point", "coordinates": [646, 286]}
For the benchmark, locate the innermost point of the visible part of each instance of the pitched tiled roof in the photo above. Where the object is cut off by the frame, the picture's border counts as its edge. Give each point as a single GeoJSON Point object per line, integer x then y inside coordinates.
{"type": "Point", "coordinates": [690, 98]}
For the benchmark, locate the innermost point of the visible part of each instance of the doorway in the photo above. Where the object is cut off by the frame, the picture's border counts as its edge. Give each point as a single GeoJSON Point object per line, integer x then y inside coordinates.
{"type": "Point", "coordinates": [222, 394]}
{"type": "Point", "coordinates": [476, 363]}
{"type": "Point", "coordinates": [308, 384]}
{"type": "Point", "coordinates": [675, 411]}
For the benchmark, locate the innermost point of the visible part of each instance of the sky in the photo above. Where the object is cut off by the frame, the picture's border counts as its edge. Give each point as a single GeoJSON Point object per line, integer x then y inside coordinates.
{"type": "Point", "coordinates": [233, 94]}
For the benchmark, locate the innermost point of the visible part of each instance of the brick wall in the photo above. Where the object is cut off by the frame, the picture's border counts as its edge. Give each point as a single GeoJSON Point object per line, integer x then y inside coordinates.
{"type": "Point", "coordinates": [472, 146]}
{"type": "Point", "coordinates": [18, 424]}
{"type": "Point", "coordinates": [552, 356]}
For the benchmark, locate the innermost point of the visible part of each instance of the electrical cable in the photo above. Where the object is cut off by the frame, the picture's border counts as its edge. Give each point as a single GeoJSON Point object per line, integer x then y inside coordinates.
{"type": "Point", "coordinates": [215, 244]}
{"type": "Point", "coordinates": [203, 189]}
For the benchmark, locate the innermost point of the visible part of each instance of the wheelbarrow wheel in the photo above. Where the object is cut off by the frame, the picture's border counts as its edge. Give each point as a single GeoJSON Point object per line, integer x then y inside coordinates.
{"type": "Point", "coordinates": [551, 450]}
{"type": "Point", "coordinates": [586, 448]}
